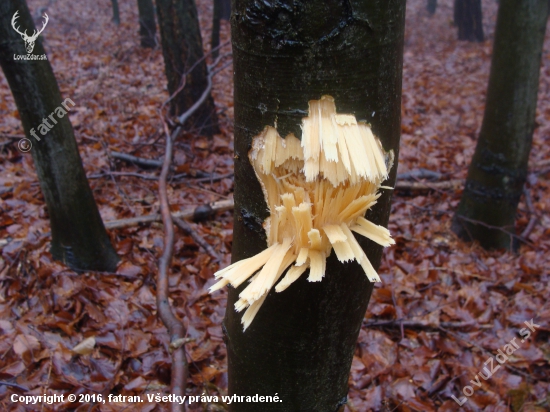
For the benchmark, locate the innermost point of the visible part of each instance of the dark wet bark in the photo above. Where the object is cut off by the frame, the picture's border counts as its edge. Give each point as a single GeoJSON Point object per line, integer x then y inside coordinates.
{"type": "Point", "coordinates": [469, 20]}
{"type": "Point", "coordinates": [182, 48]}
{"type": "Point", "coordinates": [499, 167]}
{"type": "Point", "coordinates": [116, 12]}
{"type": "Point", "coordinates": [79, 238]}
{"type": "Point", "coordinates": [431, 6]}
{"type": "Point", "coordinates": [301, 343]}
{"type": "Point", "coordinates": [147, 25]}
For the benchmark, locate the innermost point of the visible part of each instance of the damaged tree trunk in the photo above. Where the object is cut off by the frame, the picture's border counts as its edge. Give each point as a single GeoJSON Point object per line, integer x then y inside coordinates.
{"type": "Point", "coordinates": [182, 49]}
{"type": "Point", "coordinates": [79, 238]}
{"type": "Point", "coordinates": [301, 343]}
{"type": "Point", "coordinates": [498, 169]}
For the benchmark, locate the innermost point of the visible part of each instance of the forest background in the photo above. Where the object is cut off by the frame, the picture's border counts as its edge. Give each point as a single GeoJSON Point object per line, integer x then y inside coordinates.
{"type": "Point", "coordinates": [443, 307]}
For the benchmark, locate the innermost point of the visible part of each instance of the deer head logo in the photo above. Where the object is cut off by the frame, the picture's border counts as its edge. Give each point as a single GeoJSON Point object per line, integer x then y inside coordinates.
{"type": "Point", "coordinates": [29, 40]}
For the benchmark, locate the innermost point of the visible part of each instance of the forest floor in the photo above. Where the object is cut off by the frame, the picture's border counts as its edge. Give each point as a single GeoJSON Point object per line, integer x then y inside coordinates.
{"type": "Point", "coordinates": [443, 309]}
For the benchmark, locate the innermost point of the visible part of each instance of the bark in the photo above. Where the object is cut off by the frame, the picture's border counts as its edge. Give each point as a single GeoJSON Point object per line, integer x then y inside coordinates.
{"type": "Point", "coordinates": [79, 238]}
{"type": "Point", "coordinates": [469, 20]}
{"type": "Point", "coordinates": [116, 12]}
{"type": "Point", "coordinates": [182, 49]}
{"type": "Point", "coordinates": [499, 167]}
{"type": "Point", "coordinates": [147, 25]}
{"type": "Point", "coordinates": [301, 343]}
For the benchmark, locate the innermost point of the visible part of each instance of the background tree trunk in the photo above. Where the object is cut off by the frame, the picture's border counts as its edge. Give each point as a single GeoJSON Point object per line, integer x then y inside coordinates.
{"type": "Point", "coordinates": [222, 11]}
{"type": "Point", "coordinates": [116, 12]}
{"type": "Point", "coordinates": [431, 6]}
{"type": "Point", "coordinates": [182, 48]}
{"type": "Point", "coordinates": [499, 167]}
{"type": "Point", "coordinates": [301, 343]}
{"type": "Point", "coordinates": [469, 20]}
{"type": "Point", "coordinates": [79, 238]}
{"type": "Point", "coordinates": [147, 25]}
{"type": "Point", "coordinates": [216, 17]}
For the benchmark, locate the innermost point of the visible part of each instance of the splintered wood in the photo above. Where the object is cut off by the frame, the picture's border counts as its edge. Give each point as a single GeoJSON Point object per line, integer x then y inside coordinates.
{"type": "Point", "coordinates": [318, 190]}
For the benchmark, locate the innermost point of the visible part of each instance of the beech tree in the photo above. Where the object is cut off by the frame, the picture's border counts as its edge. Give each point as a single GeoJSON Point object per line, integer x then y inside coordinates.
{"type": "Point", "coordinates": [78, 235]}
{"type": "Point", "coordinates": [468, 18]}
{"type": "Point", "coordinates": [182, 50]}
{"type": "Point", "coordinates": [498, 169]}
{"type": "Point", "coordinates": [147, 25]}
{"type": "Point", "coordinates": [289, 57]}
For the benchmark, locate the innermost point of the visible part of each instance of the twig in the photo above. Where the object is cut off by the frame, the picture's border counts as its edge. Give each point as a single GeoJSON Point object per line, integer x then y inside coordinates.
{"type": "Point", "coordinates": [186, 227]}
{"type": "Point", "coordinates": [419, 174]}
{"type": "Point", "coordinates": [107, 174]}
{"type": "Point", "coordinates": [194, 212]}
{"type": "Point", "coordinates": [213, 178]}
{"type": "Point", "coordinates": [448, 184]}
{"type": "Point", "coordinates": [183, 80]}
{"type": "Point", "coordinates": [14, 385]}
{"type": "Point", "coordinates": [425, 325]}
{"type": "Point", "coordinates": [202, 176]}
{"type": "Point", "coordinates": [175, 327]}
{"type": "Point", "coordinates": [137, 160]}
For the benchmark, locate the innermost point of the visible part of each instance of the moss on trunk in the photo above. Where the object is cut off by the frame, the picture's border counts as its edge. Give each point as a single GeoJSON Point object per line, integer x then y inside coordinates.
{"type": "Point", "coordinates": [499, 167]}
{"type": "Point", "coordinates": [301, 343]}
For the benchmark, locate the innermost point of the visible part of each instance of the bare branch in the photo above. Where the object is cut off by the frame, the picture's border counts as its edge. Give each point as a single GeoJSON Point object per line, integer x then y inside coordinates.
{"type": "Point", "coordinates": [188, 229]}
{"type": "Point", "coordinates": [175, 327]}
{"type": "Point", "coordinates": [137, 160]}
{"type": "Point", "coordinates": [190, 213]}
{"type": "Point", "coordinates": [447, 184]}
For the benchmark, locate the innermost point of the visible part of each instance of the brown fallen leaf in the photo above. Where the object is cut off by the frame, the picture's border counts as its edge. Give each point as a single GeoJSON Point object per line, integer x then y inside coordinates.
{"type": "Point", "coordinates": [85, 347]}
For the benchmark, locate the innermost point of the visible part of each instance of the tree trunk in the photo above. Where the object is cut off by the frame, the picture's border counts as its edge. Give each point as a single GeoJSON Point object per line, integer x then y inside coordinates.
{"type": "Point", "coordinates": [147, 25]}
{"type": "Point", "coordinates": [116, 12]}
{"type": "Point", "coordinates": [469, 20]}
{"type": "Point", "coordinates": [499, 167]}
{"type": "Point", "coordinates": [225, 10]}
{"type": "Point", "coordinates": [432, 6]}
{"type": "Point", "coordinates": [222, 11]}
{"type": "Point", "coordinates": [182, 48]}
{"type": "Point", "coordinates": [216, 17]}
{"type": "Point", "coordinates": [302, 340]}
{"type": "Point", "coordinates": [79, 238]}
